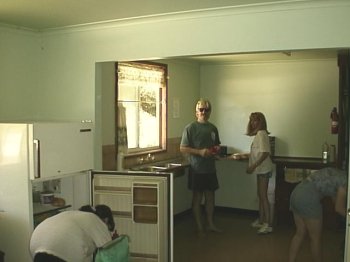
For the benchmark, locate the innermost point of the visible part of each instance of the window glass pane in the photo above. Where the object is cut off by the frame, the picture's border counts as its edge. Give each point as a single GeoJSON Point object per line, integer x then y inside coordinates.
{"type": "Point", "coordinates": [149, 116]}
{"type": "Point", "coordinates": [141, 90]}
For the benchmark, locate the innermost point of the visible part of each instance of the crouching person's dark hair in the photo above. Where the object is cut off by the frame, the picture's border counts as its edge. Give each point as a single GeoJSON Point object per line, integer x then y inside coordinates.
{"type": "Point", "coordinates": [103, 212]}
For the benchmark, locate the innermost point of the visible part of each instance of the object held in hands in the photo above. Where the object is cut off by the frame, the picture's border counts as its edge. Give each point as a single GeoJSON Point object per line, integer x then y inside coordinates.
{"type": "Point", "coordinates": [115, 234]}
{"type": "Point", "coordinates": [214, 150]}
{"type": "Point", "coordinates": [238, 156]}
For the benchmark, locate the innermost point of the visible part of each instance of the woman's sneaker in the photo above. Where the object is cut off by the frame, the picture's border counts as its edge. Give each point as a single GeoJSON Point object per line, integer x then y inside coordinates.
{"type": "Point", "coordinates": [257, 224]}
{"type": "Point", "coordinates": [265, 229]}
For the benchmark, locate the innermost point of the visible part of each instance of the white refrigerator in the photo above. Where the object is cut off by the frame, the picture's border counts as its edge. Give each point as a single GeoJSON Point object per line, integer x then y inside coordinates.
{"type": "Point", "coordinates": [32, 154]}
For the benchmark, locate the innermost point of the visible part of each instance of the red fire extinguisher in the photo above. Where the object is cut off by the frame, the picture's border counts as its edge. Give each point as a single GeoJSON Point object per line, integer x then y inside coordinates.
{"type": "Point", "coordinates": [334, 122]}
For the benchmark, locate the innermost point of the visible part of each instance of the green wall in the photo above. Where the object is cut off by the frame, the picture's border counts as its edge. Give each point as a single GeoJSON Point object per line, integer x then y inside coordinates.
{"type": "Point", "coordinates": [295, 96]}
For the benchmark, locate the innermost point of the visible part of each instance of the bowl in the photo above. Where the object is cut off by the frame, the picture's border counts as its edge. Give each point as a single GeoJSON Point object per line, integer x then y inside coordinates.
{"type": "Point", "coordinates": [46, 198]}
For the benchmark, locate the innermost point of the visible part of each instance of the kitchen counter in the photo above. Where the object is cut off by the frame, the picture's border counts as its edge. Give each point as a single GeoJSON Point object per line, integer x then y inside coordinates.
{"type": "Point", "coordinates": [301, 162]}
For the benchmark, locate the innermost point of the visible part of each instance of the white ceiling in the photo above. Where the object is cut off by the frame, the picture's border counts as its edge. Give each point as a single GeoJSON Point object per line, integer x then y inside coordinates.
{"type": "Point", "coordinates": [46, 14]}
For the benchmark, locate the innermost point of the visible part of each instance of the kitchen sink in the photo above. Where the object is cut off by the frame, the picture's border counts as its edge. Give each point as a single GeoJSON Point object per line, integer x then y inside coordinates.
{"type": "Point", "coordinates": [167, 165]}
{"type": "Point", "coordinates": [148, 168]}
{"type": "Point", "coordinates": [158, 167]}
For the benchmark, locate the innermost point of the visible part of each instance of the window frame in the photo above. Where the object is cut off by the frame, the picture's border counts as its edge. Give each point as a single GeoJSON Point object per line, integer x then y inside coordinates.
{"type": "Point", "coordinates": [163, 133]}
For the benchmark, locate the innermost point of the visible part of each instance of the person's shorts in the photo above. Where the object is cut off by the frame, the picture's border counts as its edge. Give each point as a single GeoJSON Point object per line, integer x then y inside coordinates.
{"type": "Point", "coordinates": [265, 175]}
{"type": "Point", "coordinates": [305, 200]}
{"type": "Point", "coordinates": [202, 181]}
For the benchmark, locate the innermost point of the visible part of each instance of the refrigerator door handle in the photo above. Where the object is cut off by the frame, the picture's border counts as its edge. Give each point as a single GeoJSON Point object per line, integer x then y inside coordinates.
{"type": "Point", "coordinates": [37, 158]}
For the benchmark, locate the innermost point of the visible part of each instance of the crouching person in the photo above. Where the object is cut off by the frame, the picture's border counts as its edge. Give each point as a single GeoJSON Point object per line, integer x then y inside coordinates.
{"type": "Point", "coordinates": [72, 235]}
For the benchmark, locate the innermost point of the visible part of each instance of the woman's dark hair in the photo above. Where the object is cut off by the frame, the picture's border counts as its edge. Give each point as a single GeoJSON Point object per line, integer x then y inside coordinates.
{"type": "Point", "coordinates": [103, 212]}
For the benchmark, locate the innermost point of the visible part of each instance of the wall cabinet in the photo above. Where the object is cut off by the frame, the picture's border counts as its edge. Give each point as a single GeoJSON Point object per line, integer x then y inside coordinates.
{"type": "Point", "coordinates": [140, 210]}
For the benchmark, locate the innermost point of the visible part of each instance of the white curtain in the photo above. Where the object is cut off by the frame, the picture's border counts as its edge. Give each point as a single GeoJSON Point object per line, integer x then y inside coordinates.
{"type": "Point", "coordinates": [121, 130]}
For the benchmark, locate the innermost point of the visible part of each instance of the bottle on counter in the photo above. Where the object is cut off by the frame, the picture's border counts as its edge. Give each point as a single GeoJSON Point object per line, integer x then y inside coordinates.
{"type": "Point", "coordinates": [325, 152]}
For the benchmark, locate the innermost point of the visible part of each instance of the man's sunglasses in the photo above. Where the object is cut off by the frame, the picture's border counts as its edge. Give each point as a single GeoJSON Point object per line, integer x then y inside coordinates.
{"type": "Point", "coordinates": [206, 110]}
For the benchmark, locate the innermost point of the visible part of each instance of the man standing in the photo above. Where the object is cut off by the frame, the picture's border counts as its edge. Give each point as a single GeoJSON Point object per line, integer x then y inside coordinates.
{"type": "Point", "coordinates": [200, 140]}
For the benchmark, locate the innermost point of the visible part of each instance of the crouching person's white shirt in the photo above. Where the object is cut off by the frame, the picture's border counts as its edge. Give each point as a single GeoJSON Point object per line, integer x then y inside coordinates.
{"type": "Point", "coordinates": [71, 235]}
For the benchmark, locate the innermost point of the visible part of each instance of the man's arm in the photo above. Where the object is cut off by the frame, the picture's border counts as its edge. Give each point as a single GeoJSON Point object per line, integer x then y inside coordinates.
{"type": "Point", "coordinates": [204, 152]}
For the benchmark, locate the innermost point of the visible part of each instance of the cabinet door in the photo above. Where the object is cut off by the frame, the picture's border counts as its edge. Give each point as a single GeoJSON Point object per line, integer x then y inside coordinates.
{"type": "Point", "coordinates": [282, 195]}
{"type": "Point", "coordinates": [182, 195]}
{"type": "Point", "coordinates": [140, 210]}
{"type": "Point", "coordinates": [62, 148]}
{"type": "Point", "coordinates": [145, 203]}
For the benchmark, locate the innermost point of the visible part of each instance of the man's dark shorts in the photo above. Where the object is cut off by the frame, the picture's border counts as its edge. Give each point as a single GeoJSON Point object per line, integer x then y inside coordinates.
{"type": "Point", "coordinates": [202, 181]}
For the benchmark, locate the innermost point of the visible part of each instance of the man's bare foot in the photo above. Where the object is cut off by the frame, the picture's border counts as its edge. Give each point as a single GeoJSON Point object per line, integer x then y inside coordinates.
{"type": "Point", "coordinates": [200, 233]}
{"type": "Point", "coordinates": [214, 229]}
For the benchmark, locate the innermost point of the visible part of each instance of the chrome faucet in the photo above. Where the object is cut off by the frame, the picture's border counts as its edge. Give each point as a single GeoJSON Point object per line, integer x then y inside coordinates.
{"type": "Point", "coordinates": [147, 158]}
{"type": "Point", "coordinates": [150, 157]}
{"type": "Point", "coordinates": [140, 160]}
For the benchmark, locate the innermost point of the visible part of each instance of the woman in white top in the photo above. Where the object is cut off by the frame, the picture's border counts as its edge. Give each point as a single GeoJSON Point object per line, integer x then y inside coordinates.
{"type": "Point", "coordinates": [260, 164]}
{"type": "Point", "coordinates": [72, 235]}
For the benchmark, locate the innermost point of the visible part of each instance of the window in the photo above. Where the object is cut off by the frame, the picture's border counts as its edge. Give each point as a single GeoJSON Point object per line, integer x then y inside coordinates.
{"type": "Point", "coordinates": [141, 90]}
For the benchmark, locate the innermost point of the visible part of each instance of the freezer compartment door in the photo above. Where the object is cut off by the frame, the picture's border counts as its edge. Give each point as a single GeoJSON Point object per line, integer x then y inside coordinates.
{"type": "Point", "coordinates": [61, 149]}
